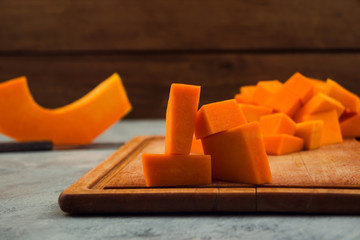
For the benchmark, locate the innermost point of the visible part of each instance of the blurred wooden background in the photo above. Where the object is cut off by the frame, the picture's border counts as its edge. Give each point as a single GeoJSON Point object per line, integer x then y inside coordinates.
{"type": "Point", "coordinates": [66, 47]}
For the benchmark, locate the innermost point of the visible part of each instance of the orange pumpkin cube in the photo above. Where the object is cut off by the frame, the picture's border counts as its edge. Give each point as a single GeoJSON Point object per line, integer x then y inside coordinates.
{"type": "Point", "coordinates": [176, 170]}
{"type": "Point", "coordinates": [248, 89]}
{"type": "Point", "coordinates": [264, 92]}
{"type": "Point", "coordinates": [180, 118]}
{"type": "Point", "coordinates": [311, 132]}
{"type": "Point", "coordinates": [238, 155]}
{"type": "Point", "coordinates": [246, 94]}
{"type": "Point", "coordinates": [277, 123]}
{"type": "Point", "coordinates": [331, 132]}
{"type": "Point", "coordinates": [286, 102]}
{"type": "Point", "coordinates": [196, 146]}
{"type": "Point", "coordinates": [319, 86]}
{"type": "Point", "coordinates": [319, 103]}
{"type": "Point", "coordinates": [350, 127]}
{"type": "Point", "coordinates": [347, 98]}
{"type": "Point", "coordinates": [217, 117]}
{"type": "Point", "coordinates": [280, 144]}
{"type": "Point", "coordinates": [254, 112]}
{"type": "Point", "coordinates": [243, 98]}
{"type": "Point", "coordinates": [299, 85]}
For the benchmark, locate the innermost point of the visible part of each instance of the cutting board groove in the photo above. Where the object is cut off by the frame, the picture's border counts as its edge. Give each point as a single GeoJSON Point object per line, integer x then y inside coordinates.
{"type": "Point", "coordinates": [325, 180]}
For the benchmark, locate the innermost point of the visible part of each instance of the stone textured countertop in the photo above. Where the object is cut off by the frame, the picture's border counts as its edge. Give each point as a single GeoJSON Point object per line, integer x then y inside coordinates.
{"type": "Point", "coordinates": [31, 182]}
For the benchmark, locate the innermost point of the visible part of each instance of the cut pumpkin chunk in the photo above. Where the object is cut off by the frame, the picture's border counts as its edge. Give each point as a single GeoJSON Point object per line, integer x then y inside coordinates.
{"type": "Point", "coordinates": [350, 127]}
{"type": "Point", "coordinates": [254, 112]}
{"type": "Point", "coordinates": [176, 170]}
{"type": "Point", "coordinates": [243, 98]}
{"type": "Point", "coordinates": [331, 132]}
{"type": "Point", "coordinates": [263, 94]}
{"type": "Point", "coordinates": [280, 144]}
{"type": "Point", "coordinates": [347, 98]}
{"type": "Point", "coordinates": [286, 102]}
{"type": "Point", "coordinates": [77, 123]}
{"type": "Point", "coordinates": [299, 85]}
{"type": "Point", "coordinates": [217, 117]}
{"type": "Point", "coordinates": [319, 103]}
{"type": "Point", "coordinates": [320, 86]}
{"type": "Point", "coordinates": [277, 123]}
{"type": "Point", "coordinates": [180, 118]}
{"type": "Point", "coordinates": [238, 155]}
{"type": "Point", "coordinates": [246, 94]}
{"type": "Point", "coordinates": [248, 90]}
{"type": "Point", "coordinates": [311, 132]}
{"type": "Point", "coordinates": [196, 146]}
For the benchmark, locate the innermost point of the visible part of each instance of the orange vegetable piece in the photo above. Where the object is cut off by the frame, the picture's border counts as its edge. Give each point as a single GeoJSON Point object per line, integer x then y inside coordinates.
{"type": "Point", "coordinates": [217, 117]}
{"type": "Point", "coordinates": [264, 92]}
{"type": "Point", "coordinates": [280, 144]}
{"type": "Point", "coordinates": [311, 132]}
{"type": "Point", "coordinates": [350, 127]}
{"type": "Point", "coordinates": [299, 85]}
{"type": "Point", "coordinates": [248, 90]}
{"type": "Point", "coordinates": [246, 94]}
{"type": "Point", "coordinates": [176, 170]}
{"type": "Point", "coordinates": [196, 146]}
{"type": "Point", "coordinates": [347, 98]}
{"type": "Point", "coordinates": [286, 101]}
{"type": "Point", "coordinates": [243, 98]}
{"type": "Point", "coordinates": [331, 131]}
{"type": "Point", "coordinates": [277, 123]}
{"type": "Point", "coordinates": [320, 86]}
{"type": "Point", "coordinates": [180, 118]}
{"type": "Point", "coordinates": [319, 103]}
{"type": "Point", "coordinates": [254, 112]}
{"type": "Point", "coordinates": [77, 123]}
{"type": "Point", "coordinates": [238, 155]}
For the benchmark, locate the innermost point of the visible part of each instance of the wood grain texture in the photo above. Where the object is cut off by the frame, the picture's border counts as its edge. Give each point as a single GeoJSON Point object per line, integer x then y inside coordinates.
{"type": "Point", "coordinates": [66, 48]}
{"type": "Point", "coordinates": [88, 196]}
{"type": "Point", "coordinates": [336, 165]}
{"type": "Point", "coordinates": [41, 25]}
{"type": "Point", "coordinates": [116, 185]}
{"type": "Point", "coordinates": [56, 80]}
{"type": "Point", "coordinates": [330, 166]}
{"type": "Point", "coordinates": [308, 200]}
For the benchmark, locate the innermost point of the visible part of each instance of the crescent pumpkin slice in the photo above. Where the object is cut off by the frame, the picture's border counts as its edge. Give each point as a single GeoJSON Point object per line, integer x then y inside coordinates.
{"type": "Point", "coordinates": [79, 122]}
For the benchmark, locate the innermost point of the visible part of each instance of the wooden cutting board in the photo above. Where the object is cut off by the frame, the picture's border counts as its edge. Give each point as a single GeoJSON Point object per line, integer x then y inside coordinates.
{"type": "Point", "coordinates": [326, 180]}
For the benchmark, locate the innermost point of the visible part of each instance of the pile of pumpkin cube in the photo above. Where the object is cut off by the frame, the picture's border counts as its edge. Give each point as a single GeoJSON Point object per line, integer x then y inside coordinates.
{"type": "Point", "coordinates": [301, 114]}
{"type": "Point", "coordinates": [230, 140]}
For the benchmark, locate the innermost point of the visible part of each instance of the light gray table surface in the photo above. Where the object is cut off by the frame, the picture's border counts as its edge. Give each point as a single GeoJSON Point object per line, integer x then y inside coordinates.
{"type": "Point", "coordinates": [31, 182]}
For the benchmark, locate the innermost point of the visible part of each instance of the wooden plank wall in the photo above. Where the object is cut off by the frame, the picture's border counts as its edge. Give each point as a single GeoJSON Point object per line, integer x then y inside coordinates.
{"type": "Point", "coordinates": [66, 47]}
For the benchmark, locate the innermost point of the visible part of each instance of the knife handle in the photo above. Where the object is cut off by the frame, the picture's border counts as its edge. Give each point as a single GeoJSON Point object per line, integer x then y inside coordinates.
{"type": "Point", "coordinates": [25, 146]}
